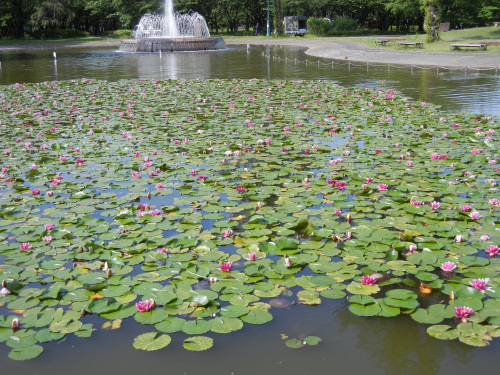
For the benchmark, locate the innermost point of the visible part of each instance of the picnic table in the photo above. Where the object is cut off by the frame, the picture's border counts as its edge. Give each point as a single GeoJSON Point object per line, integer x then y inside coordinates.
{"type": "Point", "coordinates": [481, 46]}
{"type": "Point", "coordinates": [411, 44]}
{"type": "Point", "coordinates": [382, 42]}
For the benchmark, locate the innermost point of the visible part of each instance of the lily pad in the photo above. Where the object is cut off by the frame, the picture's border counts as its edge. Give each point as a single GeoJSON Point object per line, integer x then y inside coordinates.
{"type": "Point", "coordinates": [198, 343]}
{"type": "Point", "coordinates": [152, 341]}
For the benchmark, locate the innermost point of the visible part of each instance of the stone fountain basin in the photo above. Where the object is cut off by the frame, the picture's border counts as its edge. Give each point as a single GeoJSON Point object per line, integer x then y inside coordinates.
{"type": "Point", "coordinates": [172, 44]}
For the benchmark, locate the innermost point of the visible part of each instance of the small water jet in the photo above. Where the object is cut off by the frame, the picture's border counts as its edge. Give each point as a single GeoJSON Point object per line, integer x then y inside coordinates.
{"type": "Point", "coordinates": [172, 32]}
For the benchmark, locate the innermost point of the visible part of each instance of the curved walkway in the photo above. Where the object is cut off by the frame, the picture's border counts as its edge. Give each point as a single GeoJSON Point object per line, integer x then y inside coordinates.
{"type": "Point", "coordinates": [358, 52]}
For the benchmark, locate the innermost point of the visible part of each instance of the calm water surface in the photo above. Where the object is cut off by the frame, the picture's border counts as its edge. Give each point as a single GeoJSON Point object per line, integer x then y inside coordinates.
{"type": "Point", "coordinates": [351, 344]}
{"type": "Point", "coordinates": [455, 90]}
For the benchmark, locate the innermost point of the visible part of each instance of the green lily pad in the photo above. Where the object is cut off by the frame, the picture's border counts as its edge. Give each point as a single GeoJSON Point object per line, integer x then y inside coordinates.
{"type": "Point", "coordinates": [198, 343]}
{"type": "Point", "coordinates": [25, 353]}
{"type": "Point", "coordinates": [152, 341]}
{"type": "Point", "coordinates": [196, 327]}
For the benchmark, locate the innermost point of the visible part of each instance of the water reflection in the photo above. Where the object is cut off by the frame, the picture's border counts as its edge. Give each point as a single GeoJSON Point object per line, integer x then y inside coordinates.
{"type": "Point", "coordinates": [455, 90]}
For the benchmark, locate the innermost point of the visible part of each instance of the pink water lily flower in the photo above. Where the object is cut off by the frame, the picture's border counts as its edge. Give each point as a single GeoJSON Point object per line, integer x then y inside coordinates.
{"type": "Point", "coordinates": [144, 306]}
{"type": "Point", "coordinates": [227, 233]}
{"type": "Point", "coordinates": [475, 215]}
{"type": "Point", "coordinates": [480, 284]}
{"type": "Point", "coordinates": [226, 266]}
{"type": "Point", "coordinates": [434, 205]}
{"type": "Point", "coordinates": [462, 313]}
{"type": "Point", "coordinates": [368, 280]}
{"type": "Point", "coordinates": [382, 187]}
{"type": "Point", "coordinates": [448, 266]}
{"type": "Point", "coordinates": [492, 251]}
{"type": "Point", "coordinates": [24, 246]}
{"type": "Point", "coordinates": [252, 256]}
{"type": "Point", "coordinates": [466, 208]}
{"type": "Point", "coordinates": [241, 189]}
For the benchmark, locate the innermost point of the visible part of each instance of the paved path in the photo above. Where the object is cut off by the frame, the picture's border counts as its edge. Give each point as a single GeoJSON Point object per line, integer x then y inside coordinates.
{"type": "Point", "coordinates": [358, 52]}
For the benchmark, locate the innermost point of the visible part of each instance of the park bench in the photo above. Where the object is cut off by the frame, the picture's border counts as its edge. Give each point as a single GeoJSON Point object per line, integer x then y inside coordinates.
{"type": "Point", "coordinates": [482, 46]}
{"type": "Point", "coordinates": [382, 42]}
{"type": "Point", "coordinates": [411, 44]}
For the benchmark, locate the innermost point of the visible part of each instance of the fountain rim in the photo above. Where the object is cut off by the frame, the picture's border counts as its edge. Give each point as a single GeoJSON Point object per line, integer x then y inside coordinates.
{"type": "Point", "coordinates": [176, 44]}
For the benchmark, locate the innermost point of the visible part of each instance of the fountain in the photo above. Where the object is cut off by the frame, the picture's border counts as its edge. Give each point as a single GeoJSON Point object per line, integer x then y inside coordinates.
{"type": "Point", "coordinates": [172, 32]}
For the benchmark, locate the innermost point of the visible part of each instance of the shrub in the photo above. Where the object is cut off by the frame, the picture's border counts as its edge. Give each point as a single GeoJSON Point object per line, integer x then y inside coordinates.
{"type": "Point", "coordinates": [344, 24]}
{"type": "Point", "coordinates": [119, 33]}
{"type": "Point", "coordinates": [318, 26]}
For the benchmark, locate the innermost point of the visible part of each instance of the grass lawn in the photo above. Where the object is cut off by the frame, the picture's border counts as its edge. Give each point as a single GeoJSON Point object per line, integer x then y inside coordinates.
{"type": "Point", "coordinates": [440, 46]}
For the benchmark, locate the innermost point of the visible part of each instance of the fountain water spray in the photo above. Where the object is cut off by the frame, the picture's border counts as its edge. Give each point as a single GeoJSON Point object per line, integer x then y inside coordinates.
{"type": "Point", "coordinates": [172, 25]}
{"type": "Point", "coordinates": [170, 31]}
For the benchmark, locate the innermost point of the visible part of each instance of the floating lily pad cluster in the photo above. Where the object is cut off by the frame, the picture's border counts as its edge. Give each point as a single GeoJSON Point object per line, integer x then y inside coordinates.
{"type": "Point", "coordinates": [196, 207]}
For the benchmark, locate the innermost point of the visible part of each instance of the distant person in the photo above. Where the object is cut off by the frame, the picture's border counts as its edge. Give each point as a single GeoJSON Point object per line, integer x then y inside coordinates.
{"type": "Point", "coordinates": [257, 30]}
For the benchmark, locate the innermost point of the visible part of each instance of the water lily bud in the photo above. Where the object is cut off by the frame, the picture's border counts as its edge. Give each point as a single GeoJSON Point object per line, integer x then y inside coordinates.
{"type": "Point", "coordinates": [148, 196]}
{"type": "Point", "coordinates": [80, 250]}
{"type": "Point", "coordinates": [459, 238]}
{"type": "Point", "coordinates": [109, 273]}
{"type": "Point", "coordinates": [259, 205]}
{"type": "Point", "coordinates": [83, 312]}
{"type": "Point", "coordinates": [212, 279]}
{"type": "Point", "coordinates": [348, 235]}
{"type": "Point", "coordinates": [16, 324]}
{"type": "Point", "coordinates": [106, 266]}
{"type": "Point", "coordinates": [348, 218]}
{"type": "Point", "coordinates": [4, 283]}
{"type": "Point", "coordinates": [200, 228]}
{"type": "Point", "coordinates": [453, 295]}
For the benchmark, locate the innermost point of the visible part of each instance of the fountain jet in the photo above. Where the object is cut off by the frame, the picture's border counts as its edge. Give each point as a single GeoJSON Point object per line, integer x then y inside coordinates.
{"type": "Point", "coordinates": [172, 32]}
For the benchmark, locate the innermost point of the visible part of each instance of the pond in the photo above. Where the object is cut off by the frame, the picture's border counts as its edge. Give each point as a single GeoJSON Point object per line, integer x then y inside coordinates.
{"type": "Point", "coordinates": [350, 344]}
{"type": "Point", "coordinates": [455, 90]}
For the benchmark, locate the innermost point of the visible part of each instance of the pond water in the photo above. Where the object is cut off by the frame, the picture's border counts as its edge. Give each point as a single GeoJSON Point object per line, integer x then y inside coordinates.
{"type": "Point", "coordinates": [351, 344]}
{"type": "Point", "coordinates": [455, 90]}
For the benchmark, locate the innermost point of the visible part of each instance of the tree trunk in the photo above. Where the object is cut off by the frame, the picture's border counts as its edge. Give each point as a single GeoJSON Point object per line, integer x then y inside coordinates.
{"type": "Point", "coordinates": [279, 19]}
{"type": "Point", "coordinates": [432, 20]}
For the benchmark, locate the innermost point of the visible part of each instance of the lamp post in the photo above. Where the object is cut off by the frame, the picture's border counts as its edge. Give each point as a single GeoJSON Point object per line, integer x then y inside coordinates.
{"type": "Point", "coordinates": [267, 18]}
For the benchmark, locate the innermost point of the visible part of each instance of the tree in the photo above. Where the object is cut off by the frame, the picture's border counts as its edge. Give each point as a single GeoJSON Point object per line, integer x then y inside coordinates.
{"type": "Point", "coordinates": [278, 17]}
{"type": "Point", "coordinates": [406, 10]}
{"type": "Point", "coordinates": [15, 15]}
{"type": "Point", "coordinates": [52, 14]}
{"type": "Point", "coordinates": [129, 12]}
{"type": "Point", "coordinates": [431, 22]}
